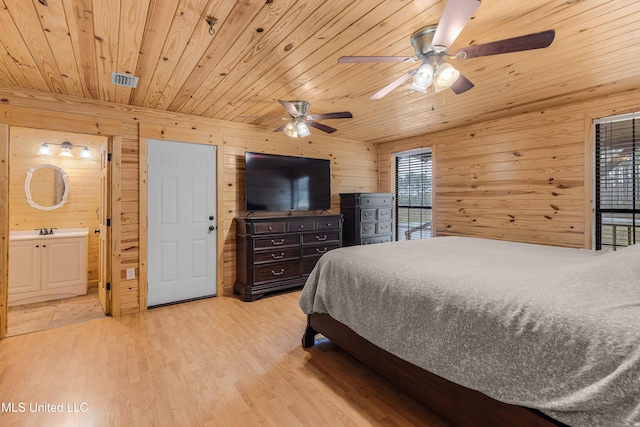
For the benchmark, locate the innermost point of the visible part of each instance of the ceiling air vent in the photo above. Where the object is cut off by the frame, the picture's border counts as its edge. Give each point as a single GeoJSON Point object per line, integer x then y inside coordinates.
{"type": "Point", "coordinates": [124, 80]}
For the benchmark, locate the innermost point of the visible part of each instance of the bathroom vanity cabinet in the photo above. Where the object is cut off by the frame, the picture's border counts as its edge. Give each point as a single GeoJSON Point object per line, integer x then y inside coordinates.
{"type": "Point", "coordinates": [43, 268]}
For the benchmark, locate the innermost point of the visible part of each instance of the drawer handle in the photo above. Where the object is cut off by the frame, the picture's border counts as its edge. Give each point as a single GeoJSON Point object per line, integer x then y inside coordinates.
{"type": "Point", "coordinates": [321, 238]}
{"type": "Point", "coordinates": [276, 243]}
{"type": "Point", "coordinates": [321, 251]}
{"type": "Point", "coordinates": [301, 225]}
{"type": "Point", "coordinates": [274, 256]}
{"type": "Point", "coordinates": [270, 228]}
{"type": "Point", "coordinates": [279, 273]}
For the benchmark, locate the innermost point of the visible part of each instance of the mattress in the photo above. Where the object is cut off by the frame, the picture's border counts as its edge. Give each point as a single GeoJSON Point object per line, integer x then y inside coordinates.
{"type": "Point", "coordinates": [551, 328]}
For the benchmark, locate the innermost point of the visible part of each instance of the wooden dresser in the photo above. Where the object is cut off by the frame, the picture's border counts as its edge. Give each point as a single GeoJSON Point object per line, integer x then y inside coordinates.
{"type": "Point", "coordinates": [276, 253]}
{"type": "Point", "coordinates": [367, 218]}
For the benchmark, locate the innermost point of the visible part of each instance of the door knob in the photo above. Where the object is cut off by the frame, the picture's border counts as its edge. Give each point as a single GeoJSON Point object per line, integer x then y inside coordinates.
{"type": "Point", "coordinates": [212, 227]}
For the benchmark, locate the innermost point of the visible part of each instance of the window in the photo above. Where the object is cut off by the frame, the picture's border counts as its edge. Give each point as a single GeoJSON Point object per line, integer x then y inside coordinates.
{"type": "Point", "coordinates": [617, 181]}
{"type": "Point", "coordinates": [413, 195]}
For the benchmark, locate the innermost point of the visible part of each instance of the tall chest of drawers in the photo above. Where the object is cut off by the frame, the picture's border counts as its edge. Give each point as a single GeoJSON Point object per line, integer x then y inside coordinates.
{"type": "Point", "coordinates": [277, 253]}
{"type": "Point", "coordinates": [368, 218]}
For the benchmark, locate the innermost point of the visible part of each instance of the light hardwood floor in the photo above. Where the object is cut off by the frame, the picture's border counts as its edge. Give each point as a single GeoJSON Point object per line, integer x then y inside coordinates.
{"type": "Point", "coordinates": [213, 362]}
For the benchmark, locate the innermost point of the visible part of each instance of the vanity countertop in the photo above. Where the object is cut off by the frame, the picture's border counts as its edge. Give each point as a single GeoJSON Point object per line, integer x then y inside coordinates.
{"type": "Point", "coordinates": [57, 233]}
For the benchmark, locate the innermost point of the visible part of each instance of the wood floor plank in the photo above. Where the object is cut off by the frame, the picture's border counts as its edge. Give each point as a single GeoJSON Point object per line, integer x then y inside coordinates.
{"type": "Point", "coordinates": [213, 362]}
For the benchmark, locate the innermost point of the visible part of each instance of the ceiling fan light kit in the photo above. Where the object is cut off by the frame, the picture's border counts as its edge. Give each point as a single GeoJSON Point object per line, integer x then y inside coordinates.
{"type": "Point", "coordinates": [432, 43]}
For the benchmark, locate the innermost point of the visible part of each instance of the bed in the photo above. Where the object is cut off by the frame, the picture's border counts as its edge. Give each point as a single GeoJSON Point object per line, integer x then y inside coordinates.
{"type": "Point", "coordinates": [490, 332]}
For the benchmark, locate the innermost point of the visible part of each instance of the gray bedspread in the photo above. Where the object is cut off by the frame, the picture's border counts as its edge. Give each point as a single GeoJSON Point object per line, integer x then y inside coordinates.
{"type": "Point", "coordinates": [544, 327]}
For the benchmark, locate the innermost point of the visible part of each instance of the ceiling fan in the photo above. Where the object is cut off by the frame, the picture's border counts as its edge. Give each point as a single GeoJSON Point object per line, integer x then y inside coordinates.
{"type": "Point", "coordinates": [432, 43]}
{"type": "Point", "coordinates": [299, 122]}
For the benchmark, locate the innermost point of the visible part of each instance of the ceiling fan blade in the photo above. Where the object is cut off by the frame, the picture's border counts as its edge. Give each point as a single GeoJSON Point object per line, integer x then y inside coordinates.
{"type": "Point", "coordinates": [462, 84]}
{"type": "Point", "coordinates": [338, 115]}
{"type": "Point", "coordinates": [350, 59]}
{"type": "Point", "coordinates": [262, 117]}
{"type": "Point", "coordinates": [394, 84]}
{"type": "Point", "coordinates": [515, 44]}
{"type": "Point", "coordinates": [291, 109]}
{"type": "Point", "coordinates": [322, 127]}
{"type": "Point", "coordinates": [280, 128]}
{"type": "Point", "coordinates": [455, 16]}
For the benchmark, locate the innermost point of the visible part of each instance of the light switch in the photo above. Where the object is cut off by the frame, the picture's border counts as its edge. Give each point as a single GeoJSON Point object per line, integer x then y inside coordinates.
{"type": "Point", "coordinates": [131, 273]}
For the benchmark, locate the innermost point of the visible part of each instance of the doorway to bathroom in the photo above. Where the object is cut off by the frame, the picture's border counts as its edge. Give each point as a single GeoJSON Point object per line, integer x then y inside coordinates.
{"type": "Point", "coordinates": [56, 206]}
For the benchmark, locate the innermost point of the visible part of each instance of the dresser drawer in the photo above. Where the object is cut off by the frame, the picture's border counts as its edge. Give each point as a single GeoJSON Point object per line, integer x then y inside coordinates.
{"type": "Point", "coordinates": [318, 250]}
{"type": "Point", "coordinates": [269, 227]}
{"type": "Point", "coordinates": [308, 264]}
{"type": "Point", "coordinates": [376, 239]}
{"type": "Point", "coordinates": [384, 228]}
{"type": "Point", "coordinates": [276, 241]}
{"type": "Point", "coordinates": [384, 214]}
{"type": "Point", "coordinates": [276, 271]}
{"type": "Point", "coordinates": [276, 255]}
{"type": "Point", "coordinates": [367, 228]}
{"type": "Point", "coordinates": [315, 238]}
{"type": "Point", "coordinates": [367, 201]}
{"type": "Point", "coordinates": [368, 214]}
{"type": "Point", "coordinates": [300, 225]}
{"type": "Point", "coordinates": [329, 224]}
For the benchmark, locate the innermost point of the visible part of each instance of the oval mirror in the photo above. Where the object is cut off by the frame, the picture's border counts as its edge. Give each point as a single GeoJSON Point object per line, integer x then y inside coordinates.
{"type": "Point", "coordinates": [47, 187]}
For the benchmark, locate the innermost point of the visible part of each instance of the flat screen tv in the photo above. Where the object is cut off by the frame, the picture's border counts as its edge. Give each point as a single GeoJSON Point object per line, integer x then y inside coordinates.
{"type": "Point", "coordinates": [286, 183]}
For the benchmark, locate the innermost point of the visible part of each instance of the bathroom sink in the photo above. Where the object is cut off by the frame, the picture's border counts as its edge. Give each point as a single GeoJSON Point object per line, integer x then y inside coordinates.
{"type": "Point", "coordinates": [57, 233]}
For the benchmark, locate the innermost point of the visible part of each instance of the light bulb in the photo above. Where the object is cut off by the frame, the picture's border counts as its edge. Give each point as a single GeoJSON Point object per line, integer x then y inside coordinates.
{"type": "Point", "coordinates": [303, 130]}
{"type": "Point", "coordinates": [291, 130]}
{"type": "Point", "coordinates": [446, 75]}
{"type": "Point", "coordinates": [44, 150]}
{"type": "Point", "coordinates": [423, 78]}
{"type": "Point", "coordinates": [66, 149]}
{"type": "Point", "coordinates": [85, 153]}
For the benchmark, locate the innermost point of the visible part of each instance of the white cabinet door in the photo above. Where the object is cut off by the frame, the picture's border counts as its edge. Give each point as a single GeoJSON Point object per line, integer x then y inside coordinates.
{"type": "Point", "coordinates": [24, 266]}
{"type": "Point", "coordinates": [64, 263]}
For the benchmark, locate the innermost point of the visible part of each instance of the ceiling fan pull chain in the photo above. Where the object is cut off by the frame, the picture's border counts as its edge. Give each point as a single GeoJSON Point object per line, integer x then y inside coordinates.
{"type": "Point", "coordinates": [433, 98]}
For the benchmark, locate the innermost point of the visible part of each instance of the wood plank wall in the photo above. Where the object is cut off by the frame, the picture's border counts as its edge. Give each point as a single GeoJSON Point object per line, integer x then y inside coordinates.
{"type": "Point", "coordinates": [525, 178]}
{"type": "Point", "coordinates": [354, 165]}
{"type": "Point", "coordinates": [84, 182]}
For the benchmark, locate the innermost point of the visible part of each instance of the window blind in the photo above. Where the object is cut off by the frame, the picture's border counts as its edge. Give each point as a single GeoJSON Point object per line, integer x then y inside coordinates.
{"type": "Point", "coordinates": [617, 182]}
{"type": "Point", "coordinates": [413, 195]}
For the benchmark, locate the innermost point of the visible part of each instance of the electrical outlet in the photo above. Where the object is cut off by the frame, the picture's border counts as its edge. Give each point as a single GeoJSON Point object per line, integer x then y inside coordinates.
{"type": "Point", "coordinates": [131, 273]}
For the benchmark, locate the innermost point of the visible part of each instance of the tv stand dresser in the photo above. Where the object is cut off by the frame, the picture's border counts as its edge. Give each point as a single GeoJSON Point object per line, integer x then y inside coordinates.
{"type": "Point", "coordinates": [278, 252]}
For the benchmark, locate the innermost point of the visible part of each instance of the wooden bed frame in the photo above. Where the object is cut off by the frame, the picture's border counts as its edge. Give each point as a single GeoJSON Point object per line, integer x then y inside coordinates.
{"type": "Point", "coordinates": [461, 405]}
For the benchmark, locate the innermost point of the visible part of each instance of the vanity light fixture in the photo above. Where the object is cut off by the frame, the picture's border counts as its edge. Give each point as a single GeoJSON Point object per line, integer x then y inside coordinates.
{"type": "Point", "coordinates": [65, 150]}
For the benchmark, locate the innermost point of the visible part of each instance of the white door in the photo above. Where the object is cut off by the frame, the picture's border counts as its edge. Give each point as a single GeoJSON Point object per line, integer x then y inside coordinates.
{"type": "Point", "coordinates": [181, 221]}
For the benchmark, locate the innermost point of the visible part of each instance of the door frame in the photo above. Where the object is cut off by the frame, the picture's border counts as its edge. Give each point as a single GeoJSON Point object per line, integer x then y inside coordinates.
{"type": "Point", "coordinates": [156, 131]}
{"type": "Point", "coordinates": [62, 122]}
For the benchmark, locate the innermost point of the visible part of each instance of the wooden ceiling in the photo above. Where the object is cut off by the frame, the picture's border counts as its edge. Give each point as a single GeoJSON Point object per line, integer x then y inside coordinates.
{"type": "Point", "coordinates": [260, 51]}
